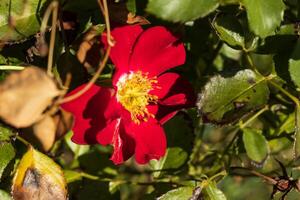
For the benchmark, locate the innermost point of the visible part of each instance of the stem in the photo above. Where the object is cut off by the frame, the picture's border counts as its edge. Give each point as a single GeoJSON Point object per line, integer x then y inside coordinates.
{"type": "Point", "coordinates": [101, 65]}
{"type": "Point", "coordinates": [23, 140]}
{"type": "Point", "coordinates": [287, 93]}
{"type": "Point", "coordinates": [243, 125]}
{"type": "Point", "coordinates": [91, 82]}
{"type": "Point", "coordinates": [8, 67]}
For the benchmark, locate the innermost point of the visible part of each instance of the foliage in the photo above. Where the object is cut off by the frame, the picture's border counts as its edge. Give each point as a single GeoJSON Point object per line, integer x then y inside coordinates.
{"type": "Point", "coordinates": [242, 60]}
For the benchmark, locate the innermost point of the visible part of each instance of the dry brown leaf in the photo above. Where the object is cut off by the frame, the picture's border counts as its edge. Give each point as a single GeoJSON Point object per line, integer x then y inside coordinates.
{"type": "Point", "coordinates": [25, 95]}
{"type": "Point", "coordinates": [45, 132]}
{"type": "Point", "coordinates": [41, 134]}
{"type": "Point", "coordinates": [38, 178]}
{"type": "Point", "coordinates": [136, 19]}
{"type": "Point", "coordinates": [88, 53]}
{"type": "Point", "coordinates": [64, 122]}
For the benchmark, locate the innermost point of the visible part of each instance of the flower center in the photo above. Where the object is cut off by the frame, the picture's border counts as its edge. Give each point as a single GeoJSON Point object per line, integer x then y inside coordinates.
{"type": "Point", "coordinates": [133, 94]}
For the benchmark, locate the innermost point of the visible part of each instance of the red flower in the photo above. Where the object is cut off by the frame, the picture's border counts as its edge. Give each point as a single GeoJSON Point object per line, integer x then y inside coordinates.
{"type": "Point", "coordinates": [130, 116]}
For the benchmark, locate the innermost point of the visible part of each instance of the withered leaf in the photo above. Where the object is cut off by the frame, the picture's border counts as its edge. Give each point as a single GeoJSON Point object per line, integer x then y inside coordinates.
{"type": "Point", "coordinates": [25, 95]}
{"type": "Point", "coordinates": [136, 19]}
{"type": "Point", "coordinates": [38, 178]}
{"type": "Point", "coordinates": [64, 122]}
{"type": "Point", "coordinates": [88, 53]}
{"type": "Point", "coordinates": [41, 134]}
{"type": "Point", "coordinates": [45, 132]}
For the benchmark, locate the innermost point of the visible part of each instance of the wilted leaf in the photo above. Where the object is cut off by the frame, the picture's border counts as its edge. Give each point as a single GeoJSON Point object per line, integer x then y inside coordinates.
{"type": "Point", "coordinates": [136, 19]}
{"type": "Point", "coordinates": [294, 65]}
{"type": "Point", "coordinates": [7, 153]}
{"type": "Point", "coordinates": [63, 121]}
{"type": "Point", "coordinates": [230, 30]}
{"type": "Point", "coordinates": [264, 16]}
{"type": "Point", "coordinates": [25, 95]}
{"type": "Point", "coordinates": [181, 10]}
{"type": "Point", "coordinates": [88, 53]}
{"type": "Point", "coordinates": [38, 177]}
{"type": "Point", "coordinates": [227, 98]}
{"type": "Point", "coordinates": [255, 144]}
{"type": "Point", "coordinates": [182, 193]}
{"type": "Point", "coordinates": [19, 19]}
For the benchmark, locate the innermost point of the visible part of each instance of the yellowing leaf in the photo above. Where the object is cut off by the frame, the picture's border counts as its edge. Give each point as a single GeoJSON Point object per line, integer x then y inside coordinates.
{"type": "Point", "coordinates": [38, 178]}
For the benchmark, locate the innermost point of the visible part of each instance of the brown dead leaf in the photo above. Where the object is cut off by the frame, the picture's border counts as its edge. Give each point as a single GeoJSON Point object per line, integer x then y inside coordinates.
{"type": "Point", "coordinates": [88, 53]}
{"type": "Point", "coordinates": [25, 95]}
{"type": "Point", "coordinates": [64, 122]}
{"type": "Point", "coordinates": [45, 132]}
{"type": "Point", "coordinates": [136, 19]}
{"type": "Point", "coordinates": [38, 178]}
{"type": "Point", "coordinates": [42, 133]}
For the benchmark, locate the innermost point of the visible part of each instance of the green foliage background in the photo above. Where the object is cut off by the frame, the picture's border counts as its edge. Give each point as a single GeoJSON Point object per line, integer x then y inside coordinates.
{"type": "Point", "coordinates": [243, 58]}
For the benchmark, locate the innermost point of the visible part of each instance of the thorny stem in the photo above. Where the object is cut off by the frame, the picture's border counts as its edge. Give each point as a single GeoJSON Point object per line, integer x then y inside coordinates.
{"type": "Point", "coordinates": [52, 8]}
{"type": "Point", "coordinates": [102, 63]}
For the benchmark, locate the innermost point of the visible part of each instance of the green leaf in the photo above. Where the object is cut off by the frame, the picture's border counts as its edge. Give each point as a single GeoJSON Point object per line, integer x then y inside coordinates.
{"type": "Point", "coordinates": [181, 10]}
{"type": "Point", "coordinates": [264, 16]}
{"type": "Point", "coordinates": [182, 193]}
{"type": "Point", "coordinates": [297, 133]}
{"type": "Point", "coordinates": [230, 31]}
{"type": "Point", "coordinates": [255, 144]}
{"type": "Point", "coordinates": [227, 98]}
{"type": "Point", "coordinates": [72, 176]}
{"type": "Point", "coordinates": [179, 136]}
{"type": "Point", "coordinates": [23, 16]}
{"type": "Point", "coordinates": [294, 65]}
{"type": "Point", "coordinates": [4, 195]}
{"type": "Point", "coordinates": [5, 133]}
{"type": "Point", "coordinates": [213, 192]}
{"type": "Point", "coordinates": [7, 153]}
{"type": "Point", "coordinates": [78, 150]}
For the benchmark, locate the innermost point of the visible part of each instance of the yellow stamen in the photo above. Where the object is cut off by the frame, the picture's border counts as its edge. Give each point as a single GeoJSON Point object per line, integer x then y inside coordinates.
{"type": "Point", "coordinates": [133, 94]}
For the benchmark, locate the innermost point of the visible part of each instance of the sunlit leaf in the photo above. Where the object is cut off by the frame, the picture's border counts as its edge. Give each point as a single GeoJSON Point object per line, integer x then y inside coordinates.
{"type": "Point", "coordinates": [181, 10]}
{"type": "Point", "coordinates": [230, 30]}
{"type": "Point", "coordinates": [264, 16]}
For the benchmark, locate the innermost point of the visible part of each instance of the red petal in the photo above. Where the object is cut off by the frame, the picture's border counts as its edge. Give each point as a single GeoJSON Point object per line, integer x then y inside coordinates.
{"type": "Point", "coordinates": [115, 135]}
{"type": "Point", "coordinates": [150, 140]}
{"type": "Point", "coordinates": [88, 111]}
{"type": "Point", "coordinates": [125, 37]}
{"type": "Point", "coordinates": [175, 93]}
{"type": "Point", "coordinates": [156, 51]}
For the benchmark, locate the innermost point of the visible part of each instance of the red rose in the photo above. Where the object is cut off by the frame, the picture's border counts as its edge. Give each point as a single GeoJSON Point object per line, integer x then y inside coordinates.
{"type": "Point", "coordinates": [130, 115]}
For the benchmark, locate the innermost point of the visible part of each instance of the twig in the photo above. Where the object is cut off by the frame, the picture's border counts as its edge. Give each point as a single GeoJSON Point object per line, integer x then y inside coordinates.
{"type": "Point", "coordinates": [9, 67]}
{"type": "Point", "coordinates": [52, 8]}
{"type": "Point", "coordinates": [101, 65]}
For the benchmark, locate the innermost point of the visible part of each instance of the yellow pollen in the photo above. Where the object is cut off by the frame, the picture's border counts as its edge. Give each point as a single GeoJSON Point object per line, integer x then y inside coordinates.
{"type": "Point", "coordinates": [133, 94]}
